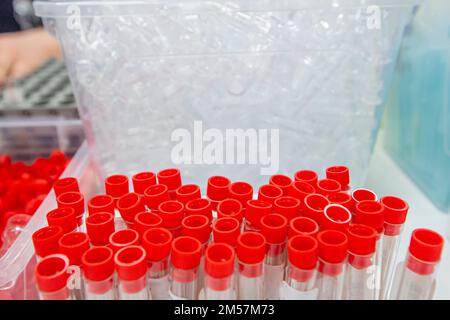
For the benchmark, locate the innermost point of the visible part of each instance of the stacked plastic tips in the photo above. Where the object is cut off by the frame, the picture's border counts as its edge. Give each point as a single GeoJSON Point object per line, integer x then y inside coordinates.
{"type": "Point", "coordinates": [153, 237]}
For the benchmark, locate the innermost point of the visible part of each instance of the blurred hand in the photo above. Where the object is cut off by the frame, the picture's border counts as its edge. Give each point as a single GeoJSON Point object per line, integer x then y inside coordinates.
{"type": "Point", "coordinates": [23, 52]}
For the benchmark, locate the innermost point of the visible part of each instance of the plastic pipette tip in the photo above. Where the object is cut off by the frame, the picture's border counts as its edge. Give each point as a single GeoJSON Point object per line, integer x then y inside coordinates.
{"type": "Point", "coordinates": [46, 240]}
{"type": "Point", "coordinates": [199, 206]}
{"type": "Point", "coordinates": [303, 226]}
{"type": "Point", "coordinates": [274, 228]}
{"type": "Point", "coordinates": [198, 227]}
{"type": "Point", "coordinates": [303, 252]}
{"type": "Point", "coordinates": [171, 213]}
{"type": "Point", "coordinates": [230, 208]}
{"type": "Point", "coordinates": [146, 220]}
{"type": "Point", "coordinates": [186, 253]}
{"type": "Point", "coordinates": [371, 213]}
{"type": "Point", "coordinates": [341, 174]}
{"type": "Point", "coordinates": [269, 193]}
{"type": "Point", "coordinates": [256, 209]}
{"type": "Point", "coordinates": [333, 246]}
{"type": "Point", "coordinates": [342, 198]}
{"type": "Point", "coordinates": [142, 181]}
{"type": "Point", "coordinates": [129, 205]}
{"type": "Point", "coordinates": [155, 195]}
{"type": "Point", "coordinates": [328, 186]}
{"type": "Point", "coordinates": [99, 227]}
{"type": "Point", "coordinates": [307, 176]}
{"type": "Point", "coordinates": [301, 189]}
{"type": "Point", "coordinates": [241, 191]}
{"type": "Point", "coordinates": [251, 248]}
{"type": "Point", "coordinates": [282, 181]}
{"type": "Point", "coordinates": [313, 206]}
{"type": "Point", "coordinates": [336, 217]}
{"type": "Point", "coordinates": [63, 217]}
{"type": "Point", "coordinates": [170, 178]}
{"type": "Point", "coordinates": [219, 260]}
{"type": "Point", "coordinates": [74, 200]}
{"type": "Point", "coordinates": [51, 273]}
{"type": "Point", "coordinates": [395, 209]}
{"type": "Point", "coordinates": [64, 185]}
{"type": "Point", "coordinates": [101, 203]}
{"type": "Point", "coordinates": [361, 239]}
{"type": "Point", "coordinates": [217, 189]}
{"type": "Point", "coordinates": [123, 238]}
{"type": "Point", "coordinates": [157, 243]}
{"type": "Point", "coordinates": [131, 264]}
{"type": "Point", "coordinates": [426, 245]}
{"type": "Point", "coordinates": [226, 230]}
{"type": "Point", "coordinates": [289, 207]}
{"type": "Point", "coordinates": [98, 263]}
{"type": "Point", "coordinates": [74, 245]}
{"type": "Point", "coordinates": [117, 185]}
{"type": "Point", "coordinates": [187, 192]}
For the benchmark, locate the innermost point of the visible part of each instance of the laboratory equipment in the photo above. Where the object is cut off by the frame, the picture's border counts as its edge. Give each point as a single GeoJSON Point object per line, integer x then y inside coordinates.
{"type": "Point", "coordinates": [51, 277]}
{"type": "Point", "coordinates": [219, 272]}
{"type": "Point", "coordinates": [98, 272]}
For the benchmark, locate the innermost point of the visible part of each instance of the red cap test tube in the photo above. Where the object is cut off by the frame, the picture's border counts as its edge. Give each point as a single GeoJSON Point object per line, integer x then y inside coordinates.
{"type": "Point", "coordinates": [219, 271]}
{"type": "Point", "coordinates": [131, 267]}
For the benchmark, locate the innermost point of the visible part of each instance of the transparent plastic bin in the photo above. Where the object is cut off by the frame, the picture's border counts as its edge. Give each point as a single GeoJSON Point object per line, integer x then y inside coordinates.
{"type": "Point", "coordinates": [316, 70]}
{"type": "Point", "coordinates": [417, 118]}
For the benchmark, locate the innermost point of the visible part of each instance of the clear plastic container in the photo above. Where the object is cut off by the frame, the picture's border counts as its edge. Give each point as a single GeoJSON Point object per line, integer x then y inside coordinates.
{"type": "Point", "coordinates": [293, 73]}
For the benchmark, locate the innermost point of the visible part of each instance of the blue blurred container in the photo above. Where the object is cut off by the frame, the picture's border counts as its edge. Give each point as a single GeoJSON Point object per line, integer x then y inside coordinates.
{"type": "Point", "coordinates": [418, 109]}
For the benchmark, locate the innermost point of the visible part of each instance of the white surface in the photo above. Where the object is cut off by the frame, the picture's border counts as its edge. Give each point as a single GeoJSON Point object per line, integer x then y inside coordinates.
{"type": "Point", "coordinates": [386, 178]}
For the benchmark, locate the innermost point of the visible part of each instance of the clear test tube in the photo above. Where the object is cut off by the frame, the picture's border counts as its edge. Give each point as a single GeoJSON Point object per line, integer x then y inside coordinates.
{"type": "Point", "coordinates": [187, 192]}
{"type": "Point", "coordinates": [155, 195]}
{"type": "Point", "coordinates": [145, 220]}
{"type": "Point", "coordinates": [336, 217]}
{"type": "Point", "coordinates": [217, 189]}
{"type": "Point", "coordinates": [129, 205]}
{"type": "Point", "coordinates": [395, 212]}
{"type": "Point", "coordinates": [416, 278]}
{"type": "Point", "coordinates": [269, 193]}
{"type": "Point", "coordinates": [116, 186]}
{"type": "Point", "coordinates": [131, 267]}
{"type": "Point", "coordinates": [341, 174]}
{"type": "Point", "coordinates": [51, 276]}
{"type": "Point", "coordinates": [74, 200]}
{"type": "Point", "coordinates": [172, 179]}
{"type": "Point", "coordinates": [256, 209]}
{"type": "Point", "coordinates": [362, 194]}
{"type": "Point", "coordinates": [199, 207]}
{"type": "Point", "coordinates": [101, 203]}
{"type": "Point", "coordinates": [230, 208]}
{"type": "Point", "coordinates": [157, 243]}
{"type": "Point", "coordinates": [99, 227]}
{"type": "Point", "coordinates": [98, 272]}
{"type": "Point", "coordinates": [359, 275]}
{"type": "Point", "coordinates": [301, 270]}
{"type": "Point", "coordinates": [242, 192]}
{"type": "Point", "coordinates": [287, 206]}
{"type": "Point", "coordinates": [300, 190]}
{"type": "Point", "coordinates": [123, 238]}
{"type": "Point", "coordinates": [326, 187]}
{"type": "Point", "coordinates": [342, 198]}
{"type": "Point", "coordinates": [303, 226]}
{"type": "Point", "coordinates": [185, 259]}
{"type": "Point", "coordinates": [63, 185]}
{"type": "Point", "coordinates": [274, 229]}
{"type": "Point", "coordinates": [313, 207]}
{"type": "Point", "coordinates": [74, 245]}
{"type": "Point", "coordinates": [63, 217]}
{"type": "Point", "coordinates": [142, 181]}
{"type": "Point", "coordinates": [332, 247]}
{"type": "Point", "coordinates": [172, 213]}
{"type": "Point", "coordinates": [251, 251]}
{"type": "Point", "coordinates": [46, 240]}
{"type": "Point", "coordinates": [283, 182]}
{"type": "Point", "coordinates": [219, 270]}
{"type": "Point", "coordinates": [226, 230]}
{"type": "Point", "coordinates": [308, 176]}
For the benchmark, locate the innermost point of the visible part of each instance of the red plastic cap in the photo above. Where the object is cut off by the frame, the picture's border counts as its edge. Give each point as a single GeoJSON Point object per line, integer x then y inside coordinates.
{"type": "Point", "coordinates": [198, 227]}
{"type": "Point", "coordinates": [199, 206]}
{"type": "Point", "coordinates": [241, 191]}
{"type": "Point", "coordinates": [101, 203]}
{"type": "Point", "coordinates": [361, 194]}
{"type": "Point", "coordinates": [157, 243]}
{"type": "Point", "coordinates": [170, 178]}
{"type": "Point", "coordinates": [314, 205]}
{"type": "Point", "coordinates": [269, 193]}
{"type": "Point", "coordinates": [217, 189]}
{"type": "Point", "coordinates": [142, 181]}
{"type": "Point", "coordinates": [342, 198]}
{"type": "Point", "coordinates": [303, 226]}
{"type": "Point", "coordinates": [251, 248]}
{"type": "Point", "coordinates": [98, 263]}
{"type": "Point", "coordinates": [301, 189]}
{"type": "Point", "coordinates": [226, 230]}
{"type": "Point", "coordinates": [117, 185]}
{"type": "Point", "coordinates": [219, 260]}
{"type": "Point", "coordinates": [74, 200]}
{"type": "Point", "coordinates": [46, 240]}
{"type": "Point", "coordinates": [336, 217]}
{"type": "Point", "coordinates": [307, 176]}
{"type": "Point", "coordinates": [289, 207]}
{"type": "Point", "coordinates": [186, 253]}
{"type": "Point", "coordinates": [370, 213]}
{"type": "Point", "coordinates": [362, 239]}
{"type": "Point", "coordinates": [131, 263]}
{"type": "Point", "coordinates": [74, 245]}
{"type": "Point", "coordinates": [283, 182]}
{"type": "Point", "coordinates": [230, 208]}
{"type": "Point", "coordinates": [188, 192]}
{"type": "Point", "coordinates": [328, 186]}
{"type": "Point", "coordinates": [303, 252]}
{"type": "Point", "coordinates": [341, 174]}
{"type": "Point", "coordinates": [256, 209]}
{"type": "Point", "coordinates": [426, 245]}
{"type": "Point", "coordinates": [155, 195]}
{"type": "Point", "coordinates": [333, 246]}
{"type": "Point", "coordinates": [99, 227]}
{"type": "Point", "coordinates": [172, 213]}
{"type": "Point", "coordinates": [123, 238]}
{"type": "Point", "coordinates": [51, 273]}
{"type": "Point", "coordinates": [129, 205]}
{"type": "Point", "coordinates": [395, 209]}
{"type": "Point", "coordinates": [63, 217]}
{"type": "Point", "coordinates": [64, 185]}
{"type": "Point", "coordinates": [274, 228]}
{"type": "Point", "coordinates": [146, 220]}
